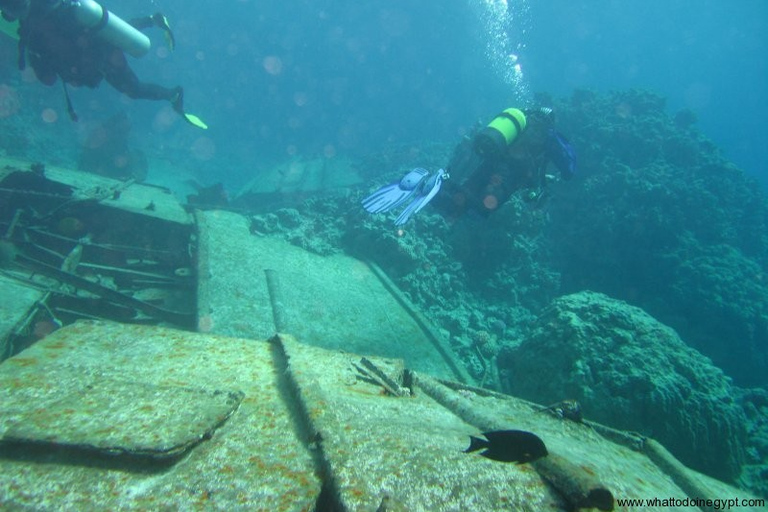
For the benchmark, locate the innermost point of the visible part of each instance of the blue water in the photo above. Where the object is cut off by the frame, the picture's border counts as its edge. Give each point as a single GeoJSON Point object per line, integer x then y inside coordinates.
{"type": "Point", "coordinates": [708, 55]}
{"type": "Point", "coordinates": [275, 78]}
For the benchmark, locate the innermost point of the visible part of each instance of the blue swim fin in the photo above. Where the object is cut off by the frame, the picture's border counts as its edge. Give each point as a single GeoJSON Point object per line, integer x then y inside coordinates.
{"type": "Point", "coordinates": [419, 186]}
{"type": "Point", "coordinates": [428, 189]}
{"type": "Point", "coordinates": [393, 195]}
{"type": "Point", "coordinates": [562, 154]}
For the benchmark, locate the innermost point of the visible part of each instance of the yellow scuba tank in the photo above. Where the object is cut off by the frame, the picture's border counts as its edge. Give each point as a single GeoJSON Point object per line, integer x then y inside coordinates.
{"type": "Point", "coordinates": [500, 132]}
{"type": "Point", "coordinates": [110, 27]}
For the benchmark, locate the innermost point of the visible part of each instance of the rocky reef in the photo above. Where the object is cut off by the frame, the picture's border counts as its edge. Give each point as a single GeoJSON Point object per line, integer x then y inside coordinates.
{"type": "Point", "coordinates": [659, 218]}
{"type": "Point", "coordinates": [754, 474]}
{"type": "Point", "coordinates": [632, 372]}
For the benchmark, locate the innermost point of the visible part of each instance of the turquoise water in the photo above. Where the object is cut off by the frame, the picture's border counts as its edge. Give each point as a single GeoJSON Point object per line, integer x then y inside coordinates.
{"type": "Point", "coordinates": [280, 78]}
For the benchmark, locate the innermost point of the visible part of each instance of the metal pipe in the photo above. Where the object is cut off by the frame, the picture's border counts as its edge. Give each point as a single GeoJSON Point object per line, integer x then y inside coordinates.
{"type": "Point", "coordinates": [276, 299]}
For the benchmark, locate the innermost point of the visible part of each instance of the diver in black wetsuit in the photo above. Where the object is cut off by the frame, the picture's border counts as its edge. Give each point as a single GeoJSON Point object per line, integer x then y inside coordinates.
{"type": "Point", "coordinates": [512, 153]}
{"type": "Point", "coordinates": [59, 45]}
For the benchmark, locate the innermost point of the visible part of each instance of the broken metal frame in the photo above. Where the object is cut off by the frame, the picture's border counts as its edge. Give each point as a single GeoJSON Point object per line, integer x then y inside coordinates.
{"type": "Point", "coordinates": [77, 276]}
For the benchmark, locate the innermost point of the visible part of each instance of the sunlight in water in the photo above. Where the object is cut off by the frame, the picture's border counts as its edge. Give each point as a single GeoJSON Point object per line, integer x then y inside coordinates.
{"type": "Point", "coordinates": [506, 24]}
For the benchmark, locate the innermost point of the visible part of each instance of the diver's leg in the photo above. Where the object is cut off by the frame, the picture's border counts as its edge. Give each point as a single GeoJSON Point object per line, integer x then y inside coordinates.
{"type": "Point", "coordinates": [156, 20]}
{"type": "Point", "coordinates": [142, 23]}
{"type": "Point", "coordinates": [478, 191]}
{"type": "Point", "coordinates": [121, 77]}
{"type": "Point", "coordinates": [451, 202]}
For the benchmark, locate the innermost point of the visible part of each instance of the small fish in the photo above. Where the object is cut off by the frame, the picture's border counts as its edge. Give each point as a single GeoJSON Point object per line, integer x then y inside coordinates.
{"type": "Point", "coordinates": [509, 446]}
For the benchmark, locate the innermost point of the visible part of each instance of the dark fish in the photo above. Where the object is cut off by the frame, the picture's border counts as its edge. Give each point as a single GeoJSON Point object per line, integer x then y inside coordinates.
{"type": "Point", "coordinates": [509, 446]}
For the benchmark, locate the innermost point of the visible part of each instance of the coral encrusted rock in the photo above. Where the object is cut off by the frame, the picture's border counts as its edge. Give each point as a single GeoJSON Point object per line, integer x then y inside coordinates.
{"type": "Point", "coordinates": [631, 372]}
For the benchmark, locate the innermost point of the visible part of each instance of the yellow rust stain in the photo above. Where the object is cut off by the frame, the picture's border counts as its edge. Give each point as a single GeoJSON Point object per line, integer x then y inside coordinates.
{"type": "Point", "coordinates": [55, 345]}
{"type": "Point", "coordinates": [358, 493]}
{"type": "Point", "coordinates": [23, 361]}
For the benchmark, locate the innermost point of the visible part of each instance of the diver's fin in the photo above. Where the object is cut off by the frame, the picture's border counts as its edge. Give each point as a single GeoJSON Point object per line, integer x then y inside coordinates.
{"type": "Point", "coordinates": [562, 154]}
{"type": "Point", "coordinates": [162, 22]}
{"type": "Point", "coordinates": [429, 189]}
{"type": "Point", "coordinates": [393, 195]}
{"type": "Point", "coordinates": [195, 121]}
{"type": "Point", "coordinates": [177, 102]}
{"type": "Point", "coordinates": [412, 208]}
{"type": "Point", "coordinates": [387, 197]}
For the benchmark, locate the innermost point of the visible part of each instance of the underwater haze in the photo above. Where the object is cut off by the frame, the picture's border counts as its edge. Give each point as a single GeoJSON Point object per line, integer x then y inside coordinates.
{"type": "Point", "coordinates": [274, 78]}
{"type": "Point", "coordinates": [634, 280]}
{"type": "Point", "coordinates": [705, 55]}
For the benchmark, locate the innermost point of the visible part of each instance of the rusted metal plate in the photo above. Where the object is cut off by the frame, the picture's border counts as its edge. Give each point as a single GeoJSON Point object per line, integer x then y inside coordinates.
{"type": "Point", "coordinates": [335, 302]}
{"type": "Point", "coordinates": [16, 303]}
{"type": "Point", "coordinates": [91, 397]}
{"type": "Point", "coordinates": [119, 417]}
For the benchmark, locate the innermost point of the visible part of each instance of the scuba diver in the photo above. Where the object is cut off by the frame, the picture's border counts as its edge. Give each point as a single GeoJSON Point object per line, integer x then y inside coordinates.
{"type": "Point", "coordinates": [83, 44]}
{"type": "Point", "coordinates": [513, 152]}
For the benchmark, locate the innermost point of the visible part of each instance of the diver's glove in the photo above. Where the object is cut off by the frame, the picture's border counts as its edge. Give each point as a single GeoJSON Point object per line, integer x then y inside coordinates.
{"type": "Point", "coordinates": [418, 186]}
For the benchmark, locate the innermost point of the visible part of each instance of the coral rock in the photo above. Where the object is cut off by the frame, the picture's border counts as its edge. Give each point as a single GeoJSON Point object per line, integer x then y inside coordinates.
{"type": "Point", "coordinates": [631, 372]}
